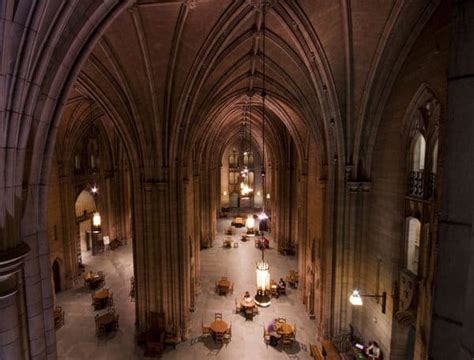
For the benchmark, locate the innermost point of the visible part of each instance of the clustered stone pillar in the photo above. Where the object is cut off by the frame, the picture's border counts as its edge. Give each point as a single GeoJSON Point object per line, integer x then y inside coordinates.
{"type": "Point", "coordinates": [453, 310]}
{"type": "Point", "coordinates": [13, 334]}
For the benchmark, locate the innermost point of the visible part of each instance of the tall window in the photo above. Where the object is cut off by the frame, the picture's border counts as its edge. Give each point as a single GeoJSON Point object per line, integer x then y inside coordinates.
{"type": "Point", "coordinates": [233, 177]}
{"type": "Point", "coordinates": [413, 244]}
{"type": "Point", "coordinates": [233, 160]}
{"type": "Point", "coordinates": [418, 155]}
{"type": "Point", "coordinates": [419, 152]}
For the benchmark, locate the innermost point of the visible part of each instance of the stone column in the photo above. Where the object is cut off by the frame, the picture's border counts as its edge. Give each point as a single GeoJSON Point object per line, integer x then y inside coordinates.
{"type": "Point", "coordinates": [453, 310]}
{"type": "Point", "coordinates": [13, 333]}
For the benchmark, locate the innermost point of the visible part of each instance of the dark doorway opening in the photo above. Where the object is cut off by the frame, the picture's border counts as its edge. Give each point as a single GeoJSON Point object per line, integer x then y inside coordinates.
{"type": "Point", "coordinates": [56, 276]}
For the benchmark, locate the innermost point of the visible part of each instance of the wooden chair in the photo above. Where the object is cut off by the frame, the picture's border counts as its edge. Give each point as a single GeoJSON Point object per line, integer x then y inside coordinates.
{"type": "Point", "coordinates": [116, 322]}
{"type": "Point", "coordinates": [236, 244]}
{"type": "Point", "coordinates": [59, 320]}
{"type": "Point", "coordinates": [206, 330]}
{"type": "Point", "coordinates": [217, 316]}
{"type": "Point", "coordinates": [111, 310]}
{"type": "Point", "coordinates": [228, 335]}
{"type": "Point", "coordinates": [266, 335]}
{"type": "Point", "coordinates": [219, 337]}
{"type": "Point", "coordinates": [155, 343]}
{"type": "Point", "coordinates": [231, 288]}
{"type": "Point", "coordinates": [249, 314]}
{"type": "Point", "coordinates": [110, 300]}
{"type": "Point", "coordinates": [255, 310]}
{"type": "Point", "coordinates": [282, 320]}
{"type": "Point", "coordinates": [238, 308]}
{"type": "Point", "coordinates": [287, 340]}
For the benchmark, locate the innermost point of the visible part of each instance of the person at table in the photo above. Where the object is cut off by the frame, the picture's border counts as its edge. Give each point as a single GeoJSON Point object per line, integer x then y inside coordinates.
{"type": "Point", "coordinates": [246, 295]}
{"type": "Point", "coordinates": [373, 350]}
{"type": "Point", "coordinates": [281, 286]}
{"type": "Point", "coordinates": [266, 243]}
{"type": "Point", "coordinates": [274, 336]}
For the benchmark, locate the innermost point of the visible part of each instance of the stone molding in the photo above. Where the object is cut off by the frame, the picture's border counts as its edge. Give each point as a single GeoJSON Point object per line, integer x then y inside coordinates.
{"type": "Point", "coordinates": [11, 260]}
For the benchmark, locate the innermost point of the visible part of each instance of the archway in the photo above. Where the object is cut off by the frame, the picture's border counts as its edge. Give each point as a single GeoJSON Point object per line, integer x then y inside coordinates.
{"type": "Point", "coordinates": [85, 207]}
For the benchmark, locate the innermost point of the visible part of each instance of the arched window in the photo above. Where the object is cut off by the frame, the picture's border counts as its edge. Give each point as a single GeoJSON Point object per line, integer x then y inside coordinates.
{"type": "Point", "coordinates": [419, 152]}
{"type": "Point", "coordinates": [251, 179]}
{"type": "Point", "coordinates": [233, 160]}
{"type": "Point", "coordinates": [413, 244]}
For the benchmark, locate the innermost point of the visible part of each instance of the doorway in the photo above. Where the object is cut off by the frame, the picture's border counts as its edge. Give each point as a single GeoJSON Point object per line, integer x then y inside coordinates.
{"type": "Point", "coordinates": [56, 276]}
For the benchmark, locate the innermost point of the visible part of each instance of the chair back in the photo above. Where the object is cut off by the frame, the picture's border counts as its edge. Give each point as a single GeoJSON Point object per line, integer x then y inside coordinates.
{"type": "Point", "coordinates": [218, 316]}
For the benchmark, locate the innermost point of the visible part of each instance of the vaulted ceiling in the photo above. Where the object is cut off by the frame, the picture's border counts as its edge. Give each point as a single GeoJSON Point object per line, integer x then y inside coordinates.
{"type": "Point", "coordinates": [170, 73]}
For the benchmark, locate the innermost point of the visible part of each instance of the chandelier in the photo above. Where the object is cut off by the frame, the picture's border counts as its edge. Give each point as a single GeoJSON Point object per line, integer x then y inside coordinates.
{"type": "Point", "coordinates": [245, 188]}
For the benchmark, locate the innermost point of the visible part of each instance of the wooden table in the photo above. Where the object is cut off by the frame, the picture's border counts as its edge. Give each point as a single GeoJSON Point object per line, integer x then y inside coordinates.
{"type": "Point", "coordinates": [106, 319]}
{"type": "Point", "coordinates": [223, 283]}
{"type": "Point", "coordinates": [227, 242]}
{"type": "Point", "coordinates": [101, 295]}
{"type": "Point", "coordinates": [250, 303]}
{"type": "Point", "coordinates": [88, 276]}
{"type": "Point", "coordinates": [219, 326]}
{"type": "Point", "coordinates": [283, 329]}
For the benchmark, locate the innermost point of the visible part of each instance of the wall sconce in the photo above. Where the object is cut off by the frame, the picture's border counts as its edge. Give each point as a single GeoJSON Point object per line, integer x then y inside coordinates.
{"type": "Point", "coordinates": [224, 193]}
{"type": "Point", "coordinates": [258, 193]}
{"type": "Point", "coordinates": [268, 195]}
{"type": "Point", "coordinates": [356, 299]}
{"type": "Point", "coordinates": [94, 190]}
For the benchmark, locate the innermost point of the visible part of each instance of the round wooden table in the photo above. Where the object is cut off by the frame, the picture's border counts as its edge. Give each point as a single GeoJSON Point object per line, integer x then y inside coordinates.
{"type": "Point", "coordinates": [223, 283]}
{"type": "Point", "coordinates": [101, 294]}
{"type": "Point", "coordinates": [106, 319]}
{"type": "Point", "coordinates": [247, 302]}
{"type": "Point", "coordinates": [283, 329]}
{"type": "Point", "coordinates": [219, 326]}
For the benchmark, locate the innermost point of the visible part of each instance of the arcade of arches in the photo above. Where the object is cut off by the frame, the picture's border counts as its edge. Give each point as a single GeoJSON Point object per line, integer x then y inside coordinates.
{"type": "Point", "coordinates": [144, 112]}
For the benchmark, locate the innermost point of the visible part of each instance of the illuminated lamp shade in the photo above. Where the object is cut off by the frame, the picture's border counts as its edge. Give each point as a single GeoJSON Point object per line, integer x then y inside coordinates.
{"type": "Point", "coordinates": [263, 284]}
{"type": "Point", "coordinates": [268, 195]}
{"type": "Point", "coordinates": [250, 222]}
{"type": "Point", "coordinates": [94, 190]}
{"type": "Point", "coordinates": [224, 193]}
{"type": "Point", "coordinates": [96, 221]}
{"type": "Point", "coordinates": [355, 298]}
{"type": "Point", "coordinates": [258, 193]}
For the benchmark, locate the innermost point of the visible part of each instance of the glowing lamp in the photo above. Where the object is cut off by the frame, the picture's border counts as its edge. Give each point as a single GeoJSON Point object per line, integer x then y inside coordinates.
{"type": "Point", "coordinates": [94, 190]}
{"type": "Point", "coordinates": [96, 220]}
{"type": "Point", "coordinates": [250, 222]}
{"type": "Point", "coordinates": [355, 298]}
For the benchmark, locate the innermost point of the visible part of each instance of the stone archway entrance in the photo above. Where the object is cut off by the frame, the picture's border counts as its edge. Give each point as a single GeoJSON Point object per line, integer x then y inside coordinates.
{"type": "Point", "coordinates": [56, 270]}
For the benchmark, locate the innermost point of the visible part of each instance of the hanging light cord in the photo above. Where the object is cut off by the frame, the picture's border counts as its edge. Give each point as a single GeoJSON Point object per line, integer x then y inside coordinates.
{"type": "Point", "coordinates": [264, 94]}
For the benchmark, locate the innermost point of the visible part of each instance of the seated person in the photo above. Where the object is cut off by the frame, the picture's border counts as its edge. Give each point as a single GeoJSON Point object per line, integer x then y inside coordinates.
{"type": "Point", "coordinates": [281, 286]}
{"type": "Point", "coordinates": [246, 295]}
{"type": "Point", "coordinates": [373, 350]}
{"type": "Point", "coordinates": [266, 243]}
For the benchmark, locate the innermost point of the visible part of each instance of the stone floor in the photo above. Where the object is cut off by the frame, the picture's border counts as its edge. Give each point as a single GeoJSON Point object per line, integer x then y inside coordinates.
{"type": "Point", "coordinates": [76, 340]}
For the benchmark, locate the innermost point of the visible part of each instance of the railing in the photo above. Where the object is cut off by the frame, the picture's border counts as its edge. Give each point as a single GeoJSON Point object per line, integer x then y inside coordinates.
{"type": "Point", "coordinates": [416, 184]}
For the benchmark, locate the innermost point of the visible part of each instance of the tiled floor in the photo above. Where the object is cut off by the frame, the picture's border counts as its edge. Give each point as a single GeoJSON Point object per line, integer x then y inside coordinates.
{"type": "Point", "coordinates": [76, 340]}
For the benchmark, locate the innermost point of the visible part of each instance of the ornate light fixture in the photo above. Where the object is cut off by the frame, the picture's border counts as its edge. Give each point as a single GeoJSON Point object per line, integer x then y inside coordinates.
{"type": "Point", "coordinates": [262, 298]}
{"type": "Point", "coordinates": [356, 299]}
{"type": "Point", "coordinates": [96, 220]}
{"type": "Point", "coordinates": [250, 222]}
{"type": "Point", "coordinates": [245, 189]}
